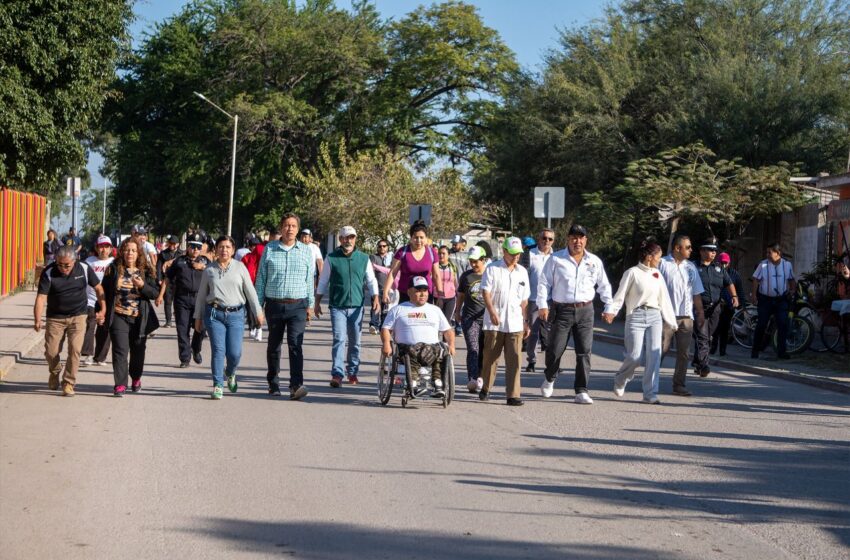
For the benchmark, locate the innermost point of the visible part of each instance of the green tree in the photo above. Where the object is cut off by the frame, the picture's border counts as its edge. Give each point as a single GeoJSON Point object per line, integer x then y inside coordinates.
{"type": "Point", "coordinates": [57, 61]}
{"type": "Point", "coordinates": [373, 190]}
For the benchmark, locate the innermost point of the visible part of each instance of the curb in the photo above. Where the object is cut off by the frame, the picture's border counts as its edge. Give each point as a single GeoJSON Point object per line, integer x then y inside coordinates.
{"type": "Point", "coordinates": [8, 361]}
{"type": "Point", "coordinates": [806, 379]}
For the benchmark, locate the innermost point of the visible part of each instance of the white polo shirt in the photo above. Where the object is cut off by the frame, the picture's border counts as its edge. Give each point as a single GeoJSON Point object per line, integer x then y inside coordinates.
{"type": "Point", "coordinates": [564, 280]}
{"type": "Point", "coordinates": [683, 283]}
{"type": "Point", "coordinates": [411, 324]}
{"type": "Point", "coordinates": [773, 278]}
{"type": "Point", "coordinates": [507, 289]}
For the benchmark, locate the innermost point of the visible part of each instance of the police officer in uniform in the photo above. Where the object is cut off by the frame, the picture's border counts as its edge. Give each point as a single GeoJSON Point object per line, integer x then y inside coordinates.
{"type": "Point", "coordinates": [714, 280]}
{"type": "Point", "coordinates": [185, 273]}
{"type": "Point", "coordinates": [171, 252]}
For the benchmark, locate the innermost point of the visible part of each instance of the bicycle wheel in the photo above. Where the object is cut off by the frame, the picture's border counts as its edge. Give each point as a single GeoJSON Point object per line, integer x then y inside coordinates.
{"type": "Point", "coordinates": [832, 338]}
{"type": "Point", "coordinates": [798, 337]}
{"type": "Point", "coordinates": [449, 376]}
{"type": "Point", "coordinates": [814, 318]}
{"type": "Point", "coordinates": [385, 379]}
{"type": "Point", "coordinates": [744, 326]}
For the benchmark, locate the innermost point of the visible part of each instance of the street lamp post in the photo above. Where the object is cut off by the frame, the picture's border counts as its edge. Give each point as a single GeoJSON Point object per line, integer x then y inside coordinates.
{"type": "Point", "coordinates": [103, 229]}
{"type": "Point", "coordinates": [233, 161]}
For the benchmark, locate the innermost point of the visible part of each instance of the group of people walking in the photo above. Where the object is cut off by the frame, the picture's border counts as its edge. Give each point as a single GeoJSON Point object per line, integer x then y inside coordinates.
{"type": "Point", "coordinates": [499, 305]}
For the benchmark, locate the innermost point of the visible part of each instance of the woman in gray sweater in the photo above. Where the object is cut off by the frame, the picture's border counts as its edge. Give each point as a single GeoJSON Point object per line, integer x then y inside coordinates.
{"type": "Point", "coordinates": [225, 290]}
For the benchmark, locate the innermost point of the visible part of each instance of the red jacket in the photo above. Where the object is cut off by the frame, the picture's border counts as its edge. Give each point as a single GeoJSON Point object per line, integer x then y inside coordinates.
{"type": "Point", "coordinates": [252, 261]}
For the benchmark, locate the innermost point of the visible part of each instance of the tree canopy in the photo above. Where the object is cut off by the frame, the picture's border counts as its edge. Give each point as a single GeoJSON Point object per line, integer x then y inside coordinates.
{"type": "Point", "coordinates": [57, 61]}
{"type": "Point", "coordinates": [298, 75]}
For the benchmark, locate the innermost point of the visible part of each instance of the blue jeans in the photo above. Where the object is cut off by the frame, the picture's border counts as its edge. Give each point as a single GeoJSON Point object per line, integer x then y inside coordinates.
{"type": "Point", "coordinates": [643, 330]}
{"type": "Point", "coordinates": [345, 323]}
{"type": "Point", "coordinates": [225, 331]}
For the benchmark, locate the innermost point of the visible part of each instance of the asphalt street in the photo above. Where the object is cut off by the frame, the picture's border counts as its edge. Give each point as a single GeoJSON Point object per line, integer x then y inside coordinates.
{"type": "Point", "coordinates": [750, 467]}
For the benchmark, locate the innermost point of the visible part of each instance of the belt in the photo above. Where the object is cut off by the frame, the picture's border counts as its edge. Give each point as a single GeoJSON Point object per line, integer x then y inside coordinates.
{"type": "Point", "coordinates": [285, 301]}
{"type": "Point", "coordinates": [577, 305]}
{"type": "Point", "coordinates": [225, 308]}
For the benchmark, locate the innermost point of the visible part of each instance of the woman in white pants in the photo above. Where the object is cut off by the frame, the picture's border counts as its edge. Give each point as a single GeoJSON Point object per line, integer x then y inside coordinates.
{"type": "Point", "coordinates": [648, 307]}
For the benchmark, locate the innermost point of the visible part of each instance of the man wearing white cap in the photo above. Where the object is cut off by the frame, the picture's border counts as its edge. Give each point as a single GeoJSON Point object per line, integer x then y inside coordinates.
{"type": "Point", "coordinates": [96, 340]}
{"type": "Point", "coordinates": [345, 274]}
{"type": "Point", "coordinates": [505, 288]}
{"type": "Point", "coordinates": [305, 236]}
{"type": "Point", "coordinates": [458, 254]}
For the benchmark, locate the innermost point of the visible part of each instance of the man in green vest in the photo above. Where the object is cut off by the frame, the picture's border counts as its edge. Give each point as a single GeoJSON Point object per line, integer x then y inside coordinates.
{"type": "Point", "coordinates": [345, 275]}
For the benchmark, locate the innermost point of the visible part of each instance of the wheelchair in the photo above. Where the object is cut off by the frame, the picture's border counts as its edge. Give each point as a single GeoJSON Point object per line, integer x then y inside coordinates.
{"type": "Point", "coordinates": [394, 374]}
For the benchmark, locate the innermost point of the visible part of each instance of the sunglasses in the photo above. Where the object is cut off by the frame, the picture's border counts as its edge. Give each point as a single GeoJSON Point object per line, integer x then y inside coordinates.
{"type": "Point", "coordinates": [547, 239]}
{"type": "Point", "coordinates": [382, 245]}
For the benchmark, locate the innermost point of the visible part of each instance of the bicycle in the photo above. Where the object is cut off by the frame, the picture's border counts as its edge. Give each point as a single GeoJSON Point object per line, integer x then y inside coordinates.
{"type": "Point", "coordinates": [797, 339]}
{"type": "Point", "coordinates": [835, 332]}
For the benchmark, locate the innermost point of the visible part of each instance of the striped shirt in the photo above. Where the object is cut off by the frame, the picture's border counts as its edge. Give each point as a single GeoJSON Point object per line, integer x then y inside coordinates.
{"type": "Point", "coordinates": [286, 272]}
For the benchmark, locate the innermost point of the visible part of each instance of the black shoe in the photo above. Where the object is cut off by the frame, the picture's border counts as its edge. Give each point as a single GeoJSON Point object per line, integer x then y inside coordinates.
{"type": "Point", "coordinates": [754, 355]}
{"type": "Point", "coordinates": [514, 402]}
{"type": "Point", "coordinates": [784, 356]}
{"type": "Point", "coordinates": [483, 396]}
{"type": "Point", "coordinates": [722, 353]}
{"type": "Point", "coordinates": [530, 367]}
{"type": "Point", "coordinates": [274, 389]}
{"type": "Point", "coordinates": [704, 371]}
{"type": "Point", "coordinates": [297, 393]}
{"type": "Point", "coordinates": [197, 357]}
{"type": "Point", "coordinates": [682, 392]}
{"type": "Point", "coordinates": [184, 365]}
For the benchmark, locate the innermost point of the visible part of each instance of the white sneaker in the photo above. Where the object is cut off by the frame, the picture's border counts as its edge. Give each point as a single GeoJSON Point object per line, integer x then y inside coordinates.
{"type": "Point", "coordinates": [652, 400]}
{"type": "Point", "coordinates": [479, 384]}
{"type": "Point", "coordinates": [583, 398]}
{"type": "Point", "coordinates": [372, 330]}
{"type": "Point", "coordinates": [87, 360]}
{"type": "Point", "coordinates": [259, 337]}
{"type": "Point", "coordinates": [547, 388]}
{"type": "Point", "coordinates": [100, 363]}
{"type": "Point", "coordinates": [619, 390]}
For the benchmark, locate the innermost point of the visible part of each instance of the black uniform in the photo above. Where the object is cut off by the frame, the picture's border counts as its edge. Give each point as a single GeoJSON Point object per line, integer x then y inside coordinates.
{"type": "Point", "coordinates": [165, 256]}
{"type": "Point", "coordinates": [714, 280]}
{"type": "Point", "coordinates": [186, 282]}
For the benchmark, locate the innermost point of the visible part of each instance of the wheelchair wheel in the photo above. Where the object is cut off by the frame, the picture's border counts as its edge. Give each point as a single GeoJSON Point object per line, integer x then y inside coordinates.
{"type": "Point", "coordinates": [386, 379]}
{"type": "Point", "coordinates": [449, 376]}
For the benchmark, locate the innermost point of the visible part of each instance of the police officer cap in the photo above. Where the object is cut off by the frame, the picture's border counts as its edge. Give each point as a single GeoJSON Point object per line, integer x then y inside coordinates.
{"type": "Point", "coordinates": [172, 239]}
{"type": "Point", "coordinates": [194, 239]}
{"type": "Point", "coordinates": [710, 243]}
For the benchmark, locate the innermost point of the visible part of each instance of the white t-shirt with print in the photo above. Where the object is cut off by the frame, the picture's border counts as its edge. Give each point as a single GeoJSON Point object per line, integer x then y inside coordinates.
{"type": "Point", "coordinates": [98, 267]}
{"type": "Point", "coordinates": [411, 324]}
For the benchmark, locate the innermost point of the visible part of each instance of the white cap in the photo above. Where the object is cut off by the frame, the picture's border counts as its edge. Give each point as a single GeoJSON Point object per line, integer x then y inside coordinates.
{"type": "Point", "coordinates": [458, 239]}
{"type": "Point", "coordinates": [307, 231]}
{"type": "Point", "coordinates": [347, 231]}
{"type": "Point", "coordinates": [418, 282]}
{"type": "Point", "coordinates": [103, 240]}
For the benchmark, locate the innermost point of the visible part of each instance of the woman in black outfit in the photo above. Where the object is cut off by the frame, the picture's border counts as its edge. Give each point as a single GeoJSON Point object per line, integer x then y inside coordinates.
{"type": "Point", "coordinates": [129, 285]}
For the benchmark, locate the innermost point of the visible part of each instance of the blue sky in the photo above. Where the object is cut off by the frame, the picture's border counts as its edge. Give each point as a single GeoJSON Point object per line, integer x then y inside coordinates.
{"type": "Point", "coordinates": [528, 27]}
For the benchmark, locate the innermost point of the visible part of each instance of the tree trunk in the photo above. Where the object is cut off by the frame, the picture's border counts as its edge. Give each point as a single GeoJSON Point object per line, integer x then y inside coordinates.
{"type": "Point", "coordinates": [674, 227]}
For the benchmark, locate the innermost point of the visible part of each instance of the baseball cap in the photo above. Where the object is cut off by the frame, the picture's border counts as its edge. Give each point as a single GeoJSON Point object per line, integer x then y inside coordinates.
{"type": "Point", "coordinates": [306, 231]}
{"type": "Point", "coordinates": [724, 258]}
{"type": "Point", "coordinates": [140, 229]}
{"type": "Point", "coordinates": [103, 240]}
{"type": "Point", "coordinates": [457, 238]}
{"type": "Point", "coordinates": [577, 229]}
{"type": "Point", "coordinates": [172, 239]}
{"type": "Point", "coordinates": [254, 241]}
{"type": "Point", "coordinates": [418, 282]}
{"type": "Point", "coordinates": [476, 253]}
{"type": "Point", "coordinates": [529, 241]}
{"type": "Point", "coordinates": [512, 245]}
{"type": "Point", "coordinates": [347, 231]}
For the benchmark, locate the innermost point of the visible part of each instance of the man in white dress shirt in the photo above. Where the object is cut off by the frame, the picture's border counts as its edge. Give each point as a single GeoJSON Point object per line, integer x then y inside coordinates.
{"type": "Point", "coordinates": [570, 280]}
{"type": "Point", "coordinates": [505, 289]}
{"type": "Point", "coordinates": [537, 258]}
{"type": "Point", "coordinates": [773, 281]}
{"type": "Point", "coordinates": [685, 287]}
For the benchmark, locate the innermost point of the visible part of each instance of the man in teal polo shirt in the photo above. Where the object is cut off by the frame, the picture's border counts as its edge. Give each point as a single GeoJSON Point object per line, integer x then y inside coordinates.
{"type": "Point", "coordinates": [347, 271]}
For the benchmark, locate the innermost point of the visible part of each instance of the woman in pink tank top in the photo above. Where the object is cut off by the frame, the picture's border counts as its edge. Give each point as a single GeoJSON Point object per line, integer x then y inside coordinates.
{"type": "Point", "coordinates": [445, 299]}
{"type": "Point", "coordinates": [416, 258]}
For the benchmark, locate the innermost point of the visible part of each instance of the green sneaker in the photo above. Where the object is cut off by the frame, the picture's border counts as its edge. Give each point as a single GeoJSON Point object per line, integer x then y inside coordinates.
{"type": "Point", "coordinates": [217, 393]}
{"type": "Point", "coordinates": [231, 383]}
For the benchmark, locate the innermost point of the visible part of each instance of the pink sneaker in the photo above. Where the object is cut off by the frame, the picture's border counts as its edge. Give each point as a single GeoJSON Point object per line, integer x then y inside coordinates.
{"type": "Point", "coordinates": [119, 390]}
{"type": "Point", "coordinates": [137, 385]}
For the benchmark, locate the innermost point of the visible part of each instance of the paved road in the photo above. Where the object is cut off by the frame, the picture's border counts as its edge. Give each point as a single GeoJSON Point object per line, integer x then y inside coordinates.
{"type": "Point", "coordinates": [750, 468]}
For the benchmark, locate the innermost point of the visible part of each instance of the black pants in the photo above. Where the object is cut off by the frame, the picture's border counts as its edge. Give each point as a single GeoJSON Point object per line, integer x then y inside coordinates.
{"type": "Point", "coordinates": [91, 327]}
{"type": "Point", "coordinates": [126, 341]}
{"type": "Point", "coordinates": [720, 338]}
{"type": "Point", "coordinates": [169, 303]}
{"type": "Point", "coordinates": [377, 319]}
{"type": "Point", "coordinates": [778, 308]}
{"type": "Point", "coordinates": [184, 310]}
{"type": "Point", "coordinates": [702, 335]}
{"type": "Point", "coordinates": [564, 322]}
{"type": "Point", "coordinates": [291, 319]}
{"type": "Point", "coordinates": [101, 343]}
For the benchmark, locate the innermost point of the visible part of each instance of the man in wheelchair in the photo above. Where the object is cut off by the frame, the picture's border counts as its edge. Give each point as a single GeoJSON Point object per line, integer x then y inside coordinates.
{"type": "Point", "coordinates": [415, 326]}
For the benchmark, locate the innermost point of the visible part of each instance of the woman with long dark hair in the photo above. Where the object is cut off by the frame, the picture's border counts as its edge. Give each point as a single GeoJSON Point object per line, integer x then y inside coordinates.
{"type": "Point", "coordinates": [648, 307]}
{"type": "Point", "coordinates": [225, 290]}
{"type": "Point", "coordinates": [129, 285]}
{"type": "Point", "coordinates": [417, 258]}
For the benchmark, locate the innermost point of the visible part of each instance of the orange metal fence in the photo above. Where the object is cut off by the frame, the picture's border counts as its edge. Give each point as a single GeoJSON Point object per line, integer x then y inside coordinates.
{"type": "Point", "coordinates": [22, 220]}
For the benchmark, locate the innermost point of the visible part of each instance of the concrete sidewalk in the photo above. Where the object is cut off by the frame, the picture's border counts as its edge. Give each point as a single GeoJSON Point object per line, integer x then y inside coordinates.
{"type": "Point", "coordinates": [17, 337]}
{"type": "Point", "coordinates": [825, 370]}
